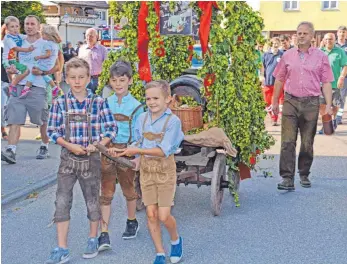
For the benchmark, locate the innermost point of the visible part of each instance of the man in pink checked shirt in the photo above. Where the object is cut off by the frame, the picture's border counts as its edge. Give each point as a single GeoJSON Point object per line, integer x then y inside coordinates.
{"type": "Point", "coordinates": [304, 69]}
{"type": "Point", "coordinates": [94, 54]}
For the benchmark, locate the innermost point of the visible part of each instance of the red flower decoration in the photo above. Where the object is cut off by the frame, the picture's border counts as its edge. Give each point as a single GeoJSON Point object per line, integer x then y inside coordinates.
{"type": "Point", "coordinates": [191, 52]}
{"type": "Point", "coordinates": [252, 160]}
{"type": "Point", "coordinates": [208, 81]}
{"type": "Point", "coordinates": [160, 52]}
{"type": "Point", "coordinates": [239, 38]}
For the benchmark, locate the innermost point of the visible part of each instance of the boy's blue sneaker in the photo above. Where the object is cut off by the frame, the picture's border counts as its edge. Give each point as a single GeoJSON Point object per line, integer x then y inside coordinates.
{"type": "Point", "coordinates": [159, 260]}
{"type": "Point", "coordinates": [58, 256]}
{"type": "Point", "coordinates": [92, 248]}
{"type": "Point", "coordinates": [176, 252]}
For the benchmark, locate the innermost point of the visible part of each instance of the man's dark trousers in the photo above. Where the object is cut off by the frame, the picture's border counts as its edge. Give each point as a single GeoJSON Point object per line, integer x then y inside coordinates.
{"type": "Point", "coordinates": [299, 114]}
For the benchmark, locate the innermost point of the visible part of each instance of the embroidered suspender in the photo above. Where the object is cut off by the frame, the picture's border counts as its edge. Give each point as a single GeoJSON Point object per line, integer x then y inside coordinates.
{"type": "Point", "coordinates": [131, 120]}
{"type": "Point", "coordinates": [153, 136]}
{"type": "Point", "coordinates": [73, 117]}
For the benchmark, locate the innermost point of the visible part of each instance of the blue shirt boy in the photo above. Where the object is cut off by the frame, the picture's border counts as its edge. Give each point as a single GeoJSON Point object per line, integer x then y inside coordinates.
{"type": "Point", "coordinates": [173, 134]}
{"type": "Point", "coordinates": [126, 107]}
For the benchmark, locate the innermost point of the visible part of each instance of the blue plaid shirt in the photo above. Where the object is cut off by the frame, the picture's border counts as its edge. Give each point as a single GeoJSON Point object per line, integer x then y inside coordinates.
{"type": "Point", "coordinates": [100, 116]}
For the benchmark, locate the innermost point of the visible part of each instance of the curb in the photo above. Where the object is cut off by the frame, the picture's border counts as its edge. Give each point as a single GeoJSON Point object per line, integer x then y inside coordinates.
{"type": "Point", "coordinates": [21, 194]}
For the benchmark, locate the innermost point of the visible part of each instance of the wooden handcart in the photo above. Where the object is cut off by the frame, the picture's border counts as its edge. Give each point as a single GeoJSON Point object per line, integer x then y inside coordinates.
{"type": "Point", "coordinates": [205, 166]}
{"type": "Point", "coordinates": [197, 165]}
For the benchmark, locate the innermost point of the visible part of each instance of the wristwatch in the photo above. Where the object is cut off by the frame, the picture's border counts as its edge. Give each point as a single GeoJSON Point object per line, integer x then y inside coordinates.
{"type": "Point", "coordinates": [44, 73]}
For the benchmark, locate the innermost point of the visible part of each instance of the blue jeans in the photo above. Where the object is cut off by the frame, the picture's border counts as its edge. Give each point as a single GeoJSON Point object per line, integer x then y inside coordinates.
{"type": "Point", "coordinates": [93, 85]}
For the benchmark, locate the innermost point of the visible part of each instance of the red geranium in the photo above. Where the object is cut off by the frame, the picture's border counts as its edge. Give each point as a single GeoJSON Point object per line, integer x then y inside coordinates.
{"type": "Point", "coordinates": [160, 52]}
{"type": "Point", "coordinates": [208, 81]}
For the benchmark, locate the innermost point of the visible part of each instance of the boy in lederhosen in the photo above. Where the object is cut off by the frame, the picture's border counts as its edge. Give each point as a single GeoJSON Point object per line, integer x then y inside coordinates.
{"type": "Point", "coordinates": [159, 134]}
{"type": "Point", "coordinates": [75, 123]}
{"type": "Point", "coordinates": [125, 109]}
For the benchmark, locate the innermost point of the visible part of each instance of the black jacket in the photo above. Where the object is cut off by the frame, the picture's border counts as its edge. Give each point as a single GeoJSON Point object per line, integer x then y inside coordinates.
{"type": "Point", "coordinates": [68, 53]}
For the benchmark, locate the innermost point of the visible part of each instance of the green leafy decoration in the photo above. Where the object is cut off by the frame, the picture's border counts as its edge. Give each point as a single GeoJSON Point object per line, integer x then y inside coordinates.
{"type": "Point", "coordinates": [130, 10]}
{"type": "Point", "coordinates": [236, 103]}
{"type": "Point", "coordinates": [168, 67]}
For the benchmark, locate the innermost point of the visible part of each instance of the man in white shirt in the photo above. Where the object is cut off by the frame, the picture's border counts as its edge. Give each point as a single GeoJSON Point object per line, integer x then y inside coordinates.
{"type": "Point", "coordinates": [35, 104]}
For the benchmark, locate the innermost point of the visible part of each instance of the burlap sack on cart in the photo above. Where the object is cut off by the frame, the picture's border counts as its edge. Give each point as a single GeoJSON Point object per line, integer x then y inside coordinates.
{"type": "Point", "coordinates": [214, 137]}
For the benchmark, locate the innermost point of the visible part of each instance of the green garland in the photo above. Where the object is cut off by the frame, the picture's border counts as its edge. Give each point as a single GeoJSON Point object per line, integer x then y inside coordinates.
{"type": "Point", "coordinates": [130, 10]}
{"type": "Point", "coordinates": [168, 67]}
{"type": "Point", "coordinates": [236, 103]}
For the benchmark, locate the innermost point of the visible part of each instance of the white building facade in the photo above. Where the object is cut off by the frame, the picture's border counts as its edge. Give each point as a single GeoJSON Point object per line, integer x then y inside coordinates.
{"type": "Point", "coordinates": [79, 15]}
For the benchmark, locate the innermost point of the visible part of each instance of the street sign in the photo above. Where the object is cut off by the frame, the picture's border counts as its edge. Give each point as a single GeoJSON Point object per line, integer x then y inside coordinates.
{"type": "Point", "coordinates": [66, 18]}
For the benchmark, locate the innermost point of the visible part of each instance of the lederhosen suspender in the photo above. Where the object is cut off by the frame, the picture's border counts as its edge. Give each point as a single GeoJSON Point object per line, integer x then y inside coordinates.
{"type": "Point", "coordinates": [153, 136]}
{"type": "Point", "coordinates": [124, 118]}
{"type": "Point", "coordinates": [73, 117]}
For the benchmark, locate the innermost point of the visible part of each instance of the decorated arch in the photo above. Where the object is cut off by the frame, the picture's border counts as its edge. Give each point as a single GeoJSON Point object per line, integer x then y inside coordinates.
{"type": "Point", "coordinates": [228, 33]}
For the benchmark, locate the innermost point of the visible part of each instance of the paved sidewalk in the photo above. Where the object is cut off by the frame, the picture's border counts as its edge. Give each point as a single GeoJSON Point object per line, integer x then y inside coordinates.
{"type": "Point", "coordinates": [28, 174]}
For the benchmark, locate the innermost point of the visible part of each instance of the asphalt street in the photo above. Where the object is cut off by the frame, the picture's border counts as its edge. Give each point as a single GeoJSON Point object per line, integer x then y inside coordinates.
{"type": "Point", "coordinates": [306, 226]}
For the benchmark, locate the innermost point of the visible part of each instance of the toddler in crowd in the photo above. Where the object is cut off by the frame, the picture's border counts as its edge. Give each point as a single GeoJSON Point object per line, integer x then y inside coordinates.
{"type": "Point", "coordinates": [47, 60]}
{"type": "Point", "coordinates": [12, 44]}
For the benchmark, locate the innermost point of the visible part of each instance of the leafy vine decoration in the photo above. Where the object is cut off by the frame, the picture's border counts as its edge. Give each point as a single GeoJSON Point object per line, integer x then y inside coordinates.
{"type": "Point", "coordinates": [167, 67]}
{"type": "Point", "coordinates": [236, 103]}
{"type": "Point", "coordinates": [130, 10]}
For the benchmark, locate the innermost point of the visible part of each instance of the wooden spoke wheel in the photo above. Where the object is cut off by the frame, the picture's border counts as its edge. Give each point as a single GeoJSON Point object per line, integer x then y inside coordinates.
{"type": "Point", "coordinates": [219, 175]}
{"type": "Point", "coordinates": [236, 181]}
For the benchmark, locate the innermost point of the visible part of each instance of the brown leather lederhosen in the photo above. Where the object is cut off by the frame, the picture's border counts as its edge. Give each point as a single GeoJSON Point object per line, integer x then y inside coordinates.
{"type": "Point", "coordinates": [86, 169]}
{"type": "Point", "coordinates": [157, 174]}
{"type": "Point", "coordinates": [110, 172]}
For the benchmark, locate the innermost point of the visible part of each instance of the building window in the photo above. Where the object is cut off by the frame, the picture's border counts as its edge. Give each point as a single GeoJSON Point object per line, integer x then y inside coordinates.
{"type": "Point", "coordinates": [329, 5]}
{"type": "Point", "coordinates": [101, 15]}
{"type": "Point", "coordinates": [290, 5]}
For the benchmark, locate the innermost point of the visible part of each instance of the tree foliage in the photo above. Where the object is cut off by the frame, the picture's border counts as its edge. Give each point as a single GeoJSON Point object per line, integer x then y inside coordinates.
{"type": "Point", "coordinates": [21, 9]}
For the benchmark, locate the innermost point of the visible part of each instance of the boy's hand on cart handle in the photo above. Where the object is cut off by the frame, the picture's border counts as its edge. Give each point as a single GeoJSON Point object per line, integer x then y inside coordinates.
{"type": "Point", "coordinates": [77, 149]}
{"type": "Point", "coordinates": [137, 163]}
{"type": "Point", "coordinates": [112, 152]}
{"type": "Point", "coordinates": [129, 152]}
{"type": "Point", "coordinates": [91, 148]}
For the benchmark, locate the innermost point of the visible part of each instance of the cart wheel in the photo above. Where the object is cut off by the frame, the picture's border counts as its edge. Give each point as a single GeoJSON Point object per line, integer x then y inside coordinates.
{"type": "Point", "coordinates": [236, 180]}
{"type": "Point", "coordinates": [219, 174]}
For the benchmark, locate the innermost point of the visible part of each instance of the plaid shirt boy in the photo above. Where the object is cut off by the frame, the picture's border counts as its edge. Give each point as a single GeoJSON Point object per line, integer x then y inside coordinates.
{"type": "Point", "coordinates": [100, 115]}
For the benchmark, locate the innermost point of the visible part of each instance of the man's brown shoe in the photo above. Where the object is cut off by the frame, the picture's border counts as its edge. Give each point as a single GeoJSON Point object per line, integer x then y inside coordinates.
{"type": "Point", "coordinates": [287, 184]}
{"type": "Point", "coordinates": [305, 182]}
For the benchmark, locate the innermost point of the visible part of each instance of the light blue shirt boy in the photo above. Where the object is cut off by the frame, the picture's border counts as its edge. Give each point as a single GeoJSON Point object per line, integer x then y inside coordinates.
{"type": "Point", "coordinates": [127, 106]}
{"type": "Point", "coordinates": [173, 134]}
